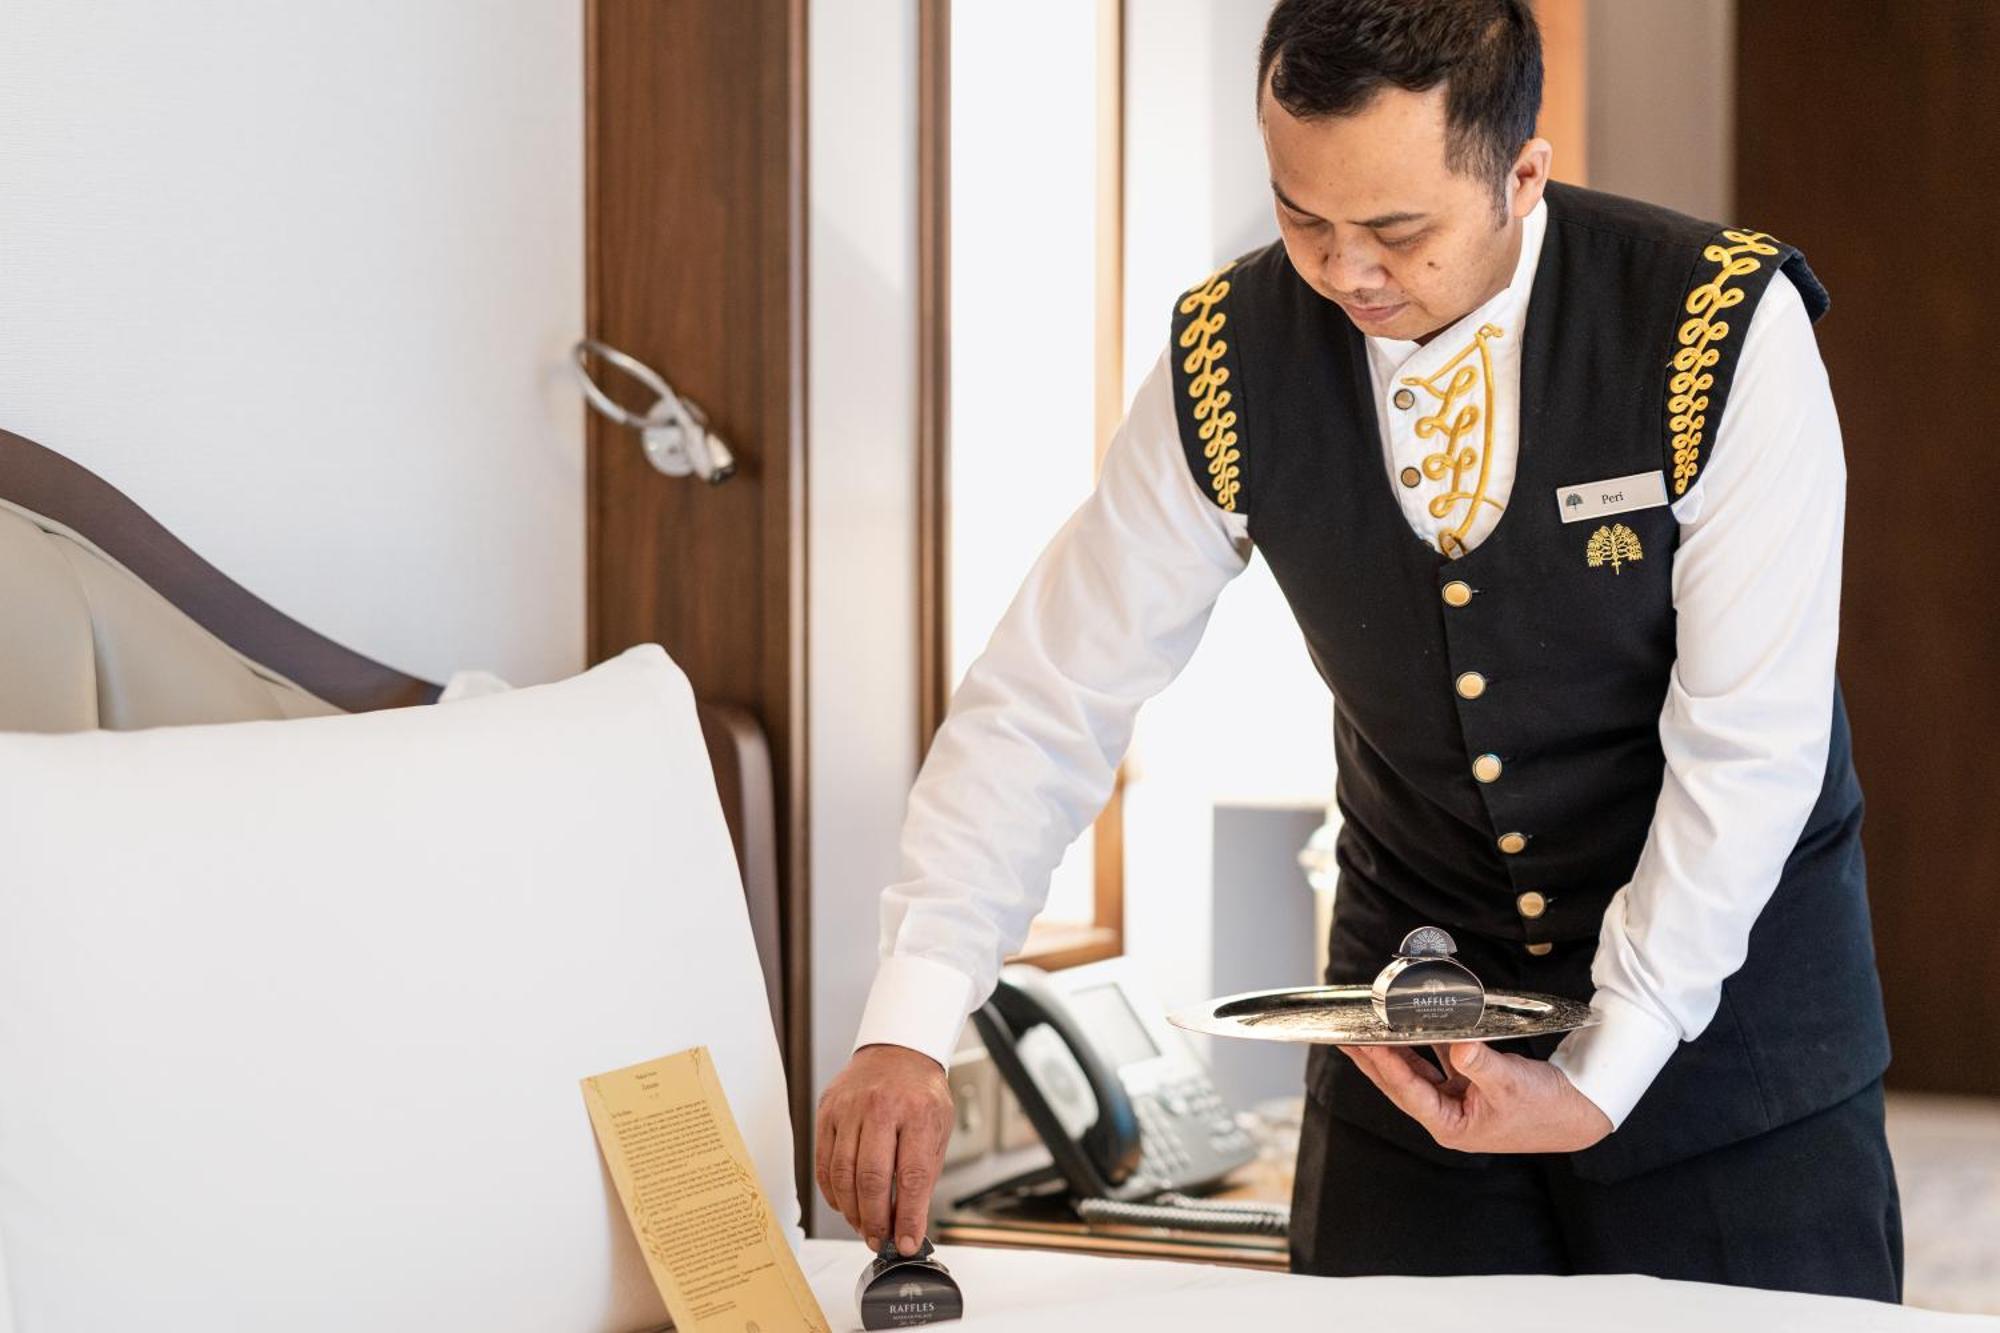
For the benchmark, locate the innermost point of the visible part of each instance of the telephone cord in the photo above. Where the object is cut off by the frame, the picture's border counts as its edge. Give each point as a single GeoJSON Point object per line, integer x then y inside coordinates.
{"type": "Point", "coordinates": [1181, 1212]}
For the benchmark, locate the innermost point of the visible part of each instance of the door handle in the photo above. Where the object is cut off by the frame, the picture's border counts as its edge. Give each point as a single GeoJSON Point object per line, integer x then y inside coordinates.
{"type": "Point", "coordinates": [674, 431]}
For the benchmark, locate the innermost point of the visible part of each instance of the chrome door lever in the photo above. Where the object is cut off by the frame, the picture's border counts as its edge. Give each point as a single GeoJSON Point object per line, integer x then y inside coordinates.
{"type": "Point", "coordinates": [674, 431]}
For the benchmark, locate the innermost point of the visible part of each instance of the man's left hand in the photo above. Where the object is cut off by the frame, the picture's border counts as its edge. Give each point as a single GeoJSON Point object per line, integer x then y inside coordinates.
{"type": "Point", "coordinates": [1485, 1100]}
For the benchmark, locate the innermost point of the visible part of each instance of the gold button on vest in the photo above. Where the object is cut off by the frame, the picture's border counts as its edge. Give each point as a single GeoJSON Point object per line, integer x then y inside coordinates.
{"type": "Point", "coordinates": [1404, 399]}
{"type": "Point", "coordinates": [1457, 593]}
{"type": "Point", "coordinates": [1531, 904]}
{"type": "Point", "coordinates": [1513, 844]}
{"type": "Point", "coordinates": [1410, 476]}
{"type": "Point", "coordinates": [1471, 685]}
{"type": "Point", "coordinates": [1539, 949]}
{"type": "Point", "coordinates": [1486, 768]}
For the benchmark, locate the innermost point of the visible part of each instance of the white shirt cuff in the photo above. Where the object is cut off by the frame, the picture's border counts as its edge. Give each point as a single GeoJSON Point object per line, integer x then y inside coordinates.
{"type": "Point", "coordinates": [1615, 1062]}
{"type": "Point", "coordinates": [917, 1003]}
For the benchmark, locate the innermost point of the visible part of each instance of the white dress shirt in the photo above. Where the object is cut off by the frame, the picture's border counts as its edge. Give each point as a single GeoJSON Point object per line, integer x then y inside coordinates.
{"type": "Point", "coordinates": [1116, 603]}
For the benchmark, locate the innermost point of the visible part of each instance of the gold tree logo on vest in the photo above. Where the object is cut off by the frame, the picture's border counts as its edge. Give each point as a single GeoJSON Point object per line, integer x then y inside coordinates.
{"type": "Point", "coordinates": [1614, 544]}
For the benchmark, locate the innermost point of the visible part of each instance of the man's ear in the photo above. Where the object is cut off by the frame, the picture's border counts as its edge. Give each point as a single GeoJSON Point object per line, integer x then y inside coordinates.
{"type": "Point", "coordinates": [1528, 177]}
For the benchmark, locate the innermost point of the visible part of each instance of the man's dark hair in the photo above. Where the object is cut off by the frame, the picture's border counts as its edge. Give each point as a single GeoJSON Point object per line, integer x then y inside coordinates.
{"type": "Point", "coordinates": [1330, 58]}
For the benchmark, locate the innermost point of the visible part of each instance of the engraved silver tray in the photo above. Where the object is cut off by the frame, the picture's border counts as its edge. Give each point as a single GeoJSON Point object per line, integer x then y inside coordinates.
{"type": "Point", "coordinates": [1343, 1016]}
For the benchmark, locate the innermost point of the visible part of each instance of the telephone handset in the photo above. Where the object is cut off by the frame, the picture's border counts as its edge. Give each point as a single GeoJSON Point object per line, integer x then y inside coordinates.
{"type": "Point", "coordinates": [1076, 1104]}
{"type": "Point", "coordinates": [1127, 1112]}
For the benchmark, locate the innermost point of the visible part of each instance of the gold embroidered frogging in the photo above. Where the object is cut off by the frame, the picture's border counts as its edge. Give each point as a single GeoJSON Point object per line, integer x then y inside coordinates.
{"type": "Point", "coordinates": [1736, 255]}
{"type": "Point", "coordinates": [1208, 384]}
{"type": "Point", "coordinates": [1455, 379]}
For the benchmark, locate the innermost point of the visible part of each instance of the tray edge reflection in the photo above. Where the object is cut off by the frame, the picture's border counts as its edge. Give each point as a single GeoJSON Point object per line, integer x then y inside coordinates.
{"type": "Point", "coordinates": [1211, 1019]}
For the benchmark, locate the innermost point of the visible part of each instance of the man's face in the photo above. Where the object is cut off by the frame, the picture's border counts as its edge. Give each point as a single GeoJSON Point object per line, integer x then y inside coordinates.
{"type": "Point", "coordinates": [1374, 220]}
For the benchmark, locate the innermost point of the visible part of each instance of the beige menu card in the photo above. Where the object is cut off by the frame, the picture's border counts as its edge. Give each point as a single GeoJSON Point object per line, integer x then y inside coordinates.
{"type": "Point", "coordinates": [692, 1196]}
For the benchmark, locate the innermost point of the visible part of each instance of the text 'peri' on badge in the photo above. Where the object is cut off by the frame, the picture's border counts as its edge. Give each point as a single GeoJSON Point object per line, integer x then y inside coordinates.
{"type": "Point", "coordinates": [1613, 495]}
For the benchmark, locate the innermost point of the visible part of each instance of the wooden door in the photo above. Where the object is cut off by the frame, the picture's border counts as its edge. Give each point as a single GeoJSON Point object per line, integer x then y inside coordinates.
{"type": "Point", "coordinates": [696, 244]}
{"type": "Point", "coordinates": [1861, 139]}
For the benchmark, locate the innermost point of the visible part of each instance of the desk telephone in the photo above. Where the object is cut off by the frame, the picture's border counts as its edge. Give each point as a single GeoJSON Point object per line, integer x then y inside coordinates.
{"type": "Point", "coordinates": [1130, 1117]}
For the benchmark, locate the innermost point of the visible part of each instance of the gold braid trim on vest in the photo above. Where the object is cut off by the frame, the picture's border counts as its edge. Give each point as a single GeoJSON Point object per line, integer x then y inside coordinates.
{"type": "Point", "coordinates": [1736, 255]}
{"type": "Point", "coordinates": [1471, 370]}
{"type": "Point", "coordinates": [1208, 384]}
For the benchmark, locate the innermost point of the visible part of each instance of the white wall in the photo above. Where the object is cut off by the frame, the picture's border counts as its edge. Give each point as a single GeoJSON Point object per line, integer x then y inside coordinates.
{"type": "Point", "coordinates": [861, 514]}
{"type": "Point", "coordinates": [299, 279]}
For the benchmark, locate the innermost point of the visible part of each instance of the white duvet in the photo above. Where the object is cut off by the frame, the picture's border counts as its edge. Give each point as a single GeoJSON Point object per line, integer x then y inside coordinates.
{"type": "Point", "coordinates": [1035, 1292]}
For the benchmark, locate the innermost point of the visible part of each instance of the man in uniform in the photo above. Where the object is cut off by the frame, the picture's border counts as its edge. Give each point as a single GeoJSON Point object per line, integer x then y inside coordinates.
{"type": "Point", "coordinates": [1553, 484]}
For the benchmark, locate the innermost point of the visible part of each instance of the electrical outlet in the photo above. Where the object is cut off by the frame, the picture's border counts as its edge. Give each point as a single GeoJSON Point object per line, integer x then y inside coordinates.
{"type": "Point", "coordinates": [975, 1099]}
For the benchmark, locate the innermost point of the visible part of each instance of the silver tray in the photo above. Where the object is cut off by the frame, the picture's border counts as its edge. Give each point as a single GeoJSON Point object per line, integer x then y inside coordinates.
{"type": "Point", "coordinates": [1343, 1016]}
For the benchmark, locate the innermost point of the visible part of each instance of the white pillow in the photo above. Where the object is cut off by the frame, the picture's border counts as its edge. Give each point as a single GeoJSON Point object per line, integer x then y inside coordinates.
{"type": "Point", "coordinates": [471, 685]}
{"type": "Point", "coordinates": [292, 1014]}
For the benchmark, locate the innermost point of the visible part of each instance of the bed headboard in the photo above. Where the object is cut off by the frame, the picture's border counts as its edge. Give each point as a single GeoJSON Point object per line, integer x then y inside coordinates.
{"type": "Point", "coordinates": [109, 620]}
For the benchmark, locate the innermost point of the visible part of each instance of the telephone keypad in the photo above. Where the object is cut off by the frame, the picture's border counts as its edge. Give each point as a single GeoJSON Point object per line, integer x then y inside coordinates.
{"type": "Point", "coordinates": [1187, 1134]}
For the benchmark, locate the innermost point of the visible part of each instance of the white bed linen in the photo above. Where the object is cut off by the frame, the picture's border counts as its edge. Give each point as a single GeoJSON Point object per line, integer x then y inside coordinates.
{"type": "Point", "coordinates": [1025, 1291]}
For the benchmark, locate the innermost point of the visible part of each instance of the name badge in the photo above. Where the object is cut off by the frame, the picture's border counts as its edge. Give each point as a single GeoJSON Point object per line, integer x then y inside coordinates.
{"type": "Point", "coordinates": [1615, 495]}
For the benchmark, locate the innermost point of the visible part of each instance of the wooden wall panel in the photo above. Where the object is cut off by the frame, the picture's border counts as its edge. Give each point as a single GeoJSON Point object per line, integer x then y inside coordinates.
{"type": "Point", "coordinates": [1565, 87]}
{"type": "Point", "coordinates": [1861, 139]}
{"type": "Point", "coordinates": [696, 230]}
{"type": "Point", "coordinates": [934, 682]}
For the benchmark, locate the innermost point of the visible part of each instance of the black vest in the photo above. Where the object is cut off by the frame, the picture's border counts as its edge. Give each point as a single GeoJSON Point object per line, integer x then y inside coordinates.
{"type": "Point", "coordinates": [1635, 322]}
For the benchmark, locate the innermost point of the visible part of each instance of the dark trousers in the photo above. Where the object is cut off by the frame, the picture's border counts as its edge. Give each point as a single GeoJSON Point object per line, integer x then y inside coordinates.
{"type": "Point", "coordinates": [1810, 1206]}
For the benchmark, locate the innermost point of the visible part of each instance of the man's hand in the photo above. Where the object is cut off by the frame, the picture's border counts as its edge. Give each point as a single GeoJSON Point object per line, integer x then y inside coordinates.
{"type": "Point", "coordinates": [1485, 1100]}
{"type": "Point", "coordinates": [884, 1121]}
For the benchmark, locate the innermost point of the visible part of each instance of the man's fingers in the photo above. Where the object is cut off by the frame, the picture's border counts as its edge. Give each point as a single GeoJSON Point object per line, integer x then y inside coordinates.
{"type": "Point", "coordinates": [874, 1171]}
{"type": "Point", "coordinates": [917, 1160]}
{"type": "Point", "coordinates": [1389, 1068]}
{"type": "Point", "coordinates": [1492, 1072]}
{"type": "Point", "coordinates": [825, 1132]}
{"type": "Point", "coordinates": [1450, 1080]}
{"type": "Point", "coordinates": [1439, 1073]}
{"type": "Point", "coordinates": [840, 1169]}
{"type": "Point", "coordinates": [1418, 1079]}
